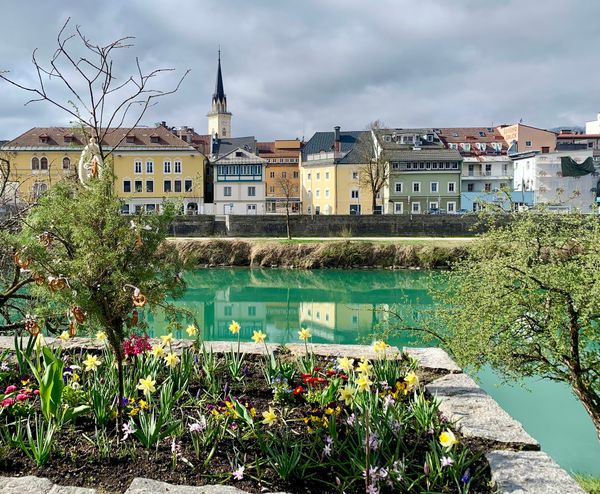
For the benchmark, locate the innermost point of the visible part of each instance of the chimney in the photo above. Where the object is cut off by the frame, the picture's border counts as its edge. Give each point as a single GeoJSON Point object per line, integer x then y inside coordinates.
{"type": "Point", "coordinates": [337, 143]}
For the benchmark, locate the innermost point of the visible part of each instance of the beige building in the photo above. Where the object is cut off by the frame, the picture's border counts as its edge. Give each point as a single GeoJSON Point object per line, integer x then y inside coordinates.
{"type": "Point", "coordinates": [282, 174]}
{"type": "Point", "coordinates": [524, 138]}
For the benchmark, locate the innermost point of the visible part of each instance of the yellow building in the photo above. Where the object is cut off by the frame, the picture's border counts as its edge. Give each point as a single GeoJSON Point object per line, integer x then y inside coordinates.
{"type": "Point", "coordinates": [329, 174]}
{"type": "Point", "coordinates": [150, 165]}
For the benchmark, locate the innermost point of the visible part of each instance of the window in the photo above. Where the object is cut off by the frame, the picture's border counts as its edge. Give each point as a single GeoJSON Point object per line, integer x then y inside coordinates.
{"type": "Point", "coordinates": [505, 169]}
{"type": "Point", "coordinates": [433, 205]}
{"type": "Point", "coordinates": [434, 186]}
{"type": "Point", "coordinates": [149, 185]}
{"type": "Point", "coordinates": [453, 145]}
{"type": "Point", "coordinates": [150, 208]}
{"type": "Point", "coordinates": [326, 192]}
{"type": "Point", "coordinates": [271, 189]}
{"type": "Point", "coordinates": [44, 164]}
{"type": "Point", "coordinates": [416, 186]}
{"type": "Point", "coordinates": [488, 169]}
{"type": "Point", "coordinates": [228, 310]}
{"type": "Point", "coordinates": [177, 185]}
{"type": "Point", "coordinates": [308, 176]}
{"type": "Point", "coordinates": [252, 310]}
{"type": "Point", "coordinates": [251, 209]}
{"type": "Point", "coordinates": [317, 193]}
{"type": "Point", "coordinates": [126, 185]}
{"type": "Point", "coordinates": [188, 185]}
{"type": "Point", "coordinates": [166, 167]}
{"type": "Point", "coordinates": [295, 174]}
{"type": "Point", "coordinates": [416, 207]}
{"type": "Point", "coordinates": [354, 175]}
{"type": "Point", "coordinates": [487, 187]}
{"type": "Point", "coordinates": [398, 187]}
{"type": "Point", "coordinates": [398, 208]}
{"type": "Point", "coordinates": [177, 165]}
{"type": "Point", "coordinates": [251, 191]}
{"type": "Point", "coordinates": [326, 175]}
{"type": "Point", "coordinates": [470, 187]}
{"type": "Point", "coordinates": [528, 144]}
{"type": "Point", "coordinates": [451, 186]}
{"type": "Point", "coordinates": [35, 163]}
{"type": "Point", "coordinates": [167, 186]}
{"type": "Point", "coordinates": [39, 189]}
{"type": "Point", "coordinates": [149, 167]}
{"type": "Point", "coordinates": [354, 194]}
{"type": "Point", "coordinates": [318, 176]}
{"type": "Point", "coordinates": [227, 191]}
{"type": "Point", "coordinates": [451, 207]}
{"type": "Point", "coordinates": [283, 174]}
{"type": "Point", "coordinates": [138, 185]}
{"type": "Point", "coordinates": [137, 167]}
{"type": "Point", "coordinates": [125, 209]}
{"type": "Point", "coordinates": [66, 163]}
{"type": "Point", "coordinates": [271, 174]}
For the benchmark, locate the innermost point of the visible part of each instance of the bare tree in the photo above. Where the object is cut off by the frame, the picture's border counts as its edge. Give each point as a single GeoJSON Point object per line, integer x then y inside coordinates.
{"type": "Point", "coordinates": [287, 190]}
{"type": "Point", "coordinates": [375, 168]}
{"type": "Point", "coordinates": [97, 98]}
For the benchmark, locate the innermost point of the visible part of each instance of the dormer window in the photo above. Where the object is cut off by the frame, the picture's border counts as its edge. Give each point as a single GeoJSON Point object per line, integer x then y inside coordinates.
{"type": "Point", "coordinates": [453, 145]}
{"type": "Point", "coordinates": [44, 138]}
{"type": "Point", "coordinates": [68, 138]}
{"type": "Point", "coordinates": [131, 139]}
{"type": "Point", "coordinates": [154, 139]}
{"type": "Point", "coordinates": [481, 134]}
{"type": "Point", "coordinates": [466, 146]}
{"type": "Point", "coordinates": [239, 154]}
{"type": "Point", "coordinates": [481, 146]}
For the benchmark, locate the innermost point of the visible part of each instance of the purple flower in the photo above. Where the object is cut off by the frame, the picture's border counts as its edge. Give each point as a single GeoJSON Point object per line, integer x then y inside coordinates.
{"type": "Point", "coordinates": [373, 441]}
{"type": "Point", "coordinates": [426, 469]}
{"type": "Point", "coordinates": [128, 430]}
{"type": "Point", "coordinates": [327, 450]}
{"type": "Point", "coordinates": [124, 402]}
{"type": "Point", "coordinates": [239, 473]}
{"type": "Point", "coordinates": [351, 419]}
{"type": "Point", "coordinates": [4, 366]}
{"type": "Point", "coordinates": [446, 461]}
{"type": "Point", "coordinates": [466, 476]}
{"type": "Point", "coordinates": [372, 489]}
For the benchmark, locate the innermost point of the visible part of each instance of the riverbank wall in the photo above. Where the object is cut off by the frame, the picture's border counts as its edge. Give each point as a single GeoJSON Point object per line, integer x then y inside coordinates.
{"type": "Point", "coordinates": [418, 225]}
{"type": "Point", "coordinates": [335, 254]}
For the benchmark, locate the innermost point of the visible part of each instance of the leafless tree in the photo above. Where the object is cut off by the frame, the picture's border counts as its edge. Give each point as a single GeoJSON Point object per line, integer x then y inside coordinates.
{"type": "Point", "coordinates": [374, 171]}
{"type": "Point", "coordinates": [288, 192]}
{"type": "Point", "coordinates": [96, 97]}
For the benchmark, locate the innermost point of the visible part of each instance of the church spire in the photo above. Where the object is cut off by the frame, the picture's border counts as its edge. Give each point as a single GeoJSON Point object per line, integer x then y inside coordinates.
{"type": "Point", "coordinates": [219, 100]}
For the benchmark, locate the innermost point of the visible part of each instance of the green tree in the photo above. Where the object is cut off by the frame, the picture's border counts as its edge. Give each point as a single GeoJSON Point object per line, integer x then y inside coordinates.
{"type": "Point", "coordinates": [94, 267]}
{"type": "Point", "coordinates": [526, 301]}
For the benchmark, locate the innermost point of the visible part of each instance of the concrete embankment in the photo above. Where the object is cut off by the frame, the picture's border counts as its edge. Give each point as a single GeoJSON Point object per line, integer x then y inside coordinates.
{"type": "Point", "coordinates": [327, 254]}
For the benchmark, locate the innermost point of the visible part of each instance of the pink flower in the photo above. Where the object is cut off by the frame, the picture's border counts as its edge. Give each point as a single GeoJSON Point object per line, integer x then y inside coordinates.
{"type": "Point", "coordinates": [7, 402]}
{"type": "Point", "coordinates": [36, 392]}
{"type": "Point", "coordinates": [239, 473]}
{"type": "Point", "coordinates": [446, 461]}
{"type": "Point", "coordinates": [10, 389]}
{"type": "Point", "coordinates": [22, 397]}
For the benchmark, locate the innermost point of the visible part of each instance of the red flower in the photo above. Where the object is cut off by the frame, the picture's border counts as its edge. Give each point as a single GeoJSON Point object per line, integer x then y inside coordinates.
{"type": "Point", "coordinates": [10, 389]}
{"type": "Point", "coordinates": [320, 380]}
{"type": "Point", "coordinates": [36, 392]}
{"type": "Point", "coordinates": [308, 379]}
{"type": "Point", "coordinates": [7, 402]}
{"type": "Point", "coordinates": [317, 369]}
{"type": "Point", "coordinates": [22, 397]}
{"type": "Point", "coordinates": [331, 372]}
{"type": "Point", "coordinates": [298, 390]}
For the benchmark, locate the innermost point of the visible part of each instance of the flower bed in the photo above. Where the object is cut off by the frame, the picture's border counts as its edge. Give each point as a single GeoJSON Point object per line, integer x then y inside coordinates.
{"type": "Point", "coordinates": [276, 422]}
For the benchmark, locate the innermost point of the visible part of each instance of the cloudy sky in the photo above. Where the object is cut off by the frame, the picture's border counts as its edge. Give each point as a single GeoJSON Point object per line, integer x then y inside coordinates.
{"type": "Point", "coordinates": [294, 67]}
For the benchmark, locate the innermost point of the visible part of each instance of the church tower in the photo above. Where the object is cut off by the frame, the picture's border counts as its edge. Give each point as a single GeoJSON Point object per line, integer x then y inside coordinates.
{"type": "Point", "coordinates": [219, 119]}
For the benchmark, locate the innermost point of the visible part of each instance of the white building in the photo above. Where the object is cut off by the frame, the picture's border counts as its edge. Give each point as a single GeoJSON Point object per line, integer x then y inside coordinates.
{"type": "Point", "coordinates": [542, 174]}
{"type": "Point", "coordinates": [593, 127]}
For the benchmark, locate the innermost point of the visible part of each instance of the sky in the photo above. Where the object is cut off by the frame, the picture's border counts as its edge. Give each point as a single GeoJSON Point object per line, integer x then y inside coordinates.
{"type": "Point", "coordinates": [292, 68]}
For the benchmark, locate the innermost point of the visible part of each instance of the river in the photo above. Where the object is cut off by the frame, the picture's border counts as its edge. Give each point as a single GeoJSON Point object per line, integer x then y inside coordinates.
{"type": "Point", "coordinates": [349, 306]}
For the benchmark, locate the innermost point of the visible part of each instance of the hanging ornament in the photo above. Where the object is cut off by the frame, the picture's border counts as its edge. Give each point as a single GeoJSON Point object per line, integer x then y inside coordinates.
{"type": "Point", "coordinates": [78, 314]}
{"type": "Point", "coordinates": [39, 279]}
{"type": "Point", "coordinates": [72, 329]}
{"type": "Point", "coordinates": [45, 239]}
{"type": "Point", "coordinates": [56, 283]}
{"type": "Point", "coordinates": [32, 327]}
{"type": "Point", "coordinates": [139, 299]}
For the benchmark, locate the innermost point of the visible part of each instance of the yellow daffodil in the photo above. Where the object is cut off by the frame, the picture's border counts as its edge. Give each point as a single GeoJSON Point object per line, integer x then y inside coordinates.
{"type": "Point", "coordinates": [101, 336]}
{"type": "Point", "coordinates": [64, 336]}
{"type": "Point", "coordinates": [134, 412]}
{"type": "Point", "coordinates": [258, 336]}
{"type": "Point", "coordinates": [363, 382]}
{"type": "Point", "coordinates": [270, 417]}
{"type": "Point", "coordinates": [191, 330]}
{"type": "Point", "coordinates": [304, 334]}
{"type": "Point", "coordinates": [91, 362]}
{"type": "Point", "coordinates": [345, 364]}
{"type": "Point", "coordinates": [347, 394]}
{"type": "Point", "coordinates": [167, 339]}
{"type": "Point", "coordinates": [143, 405]}
{"type": "Point", "coordinates": [157, 351]}
{"type": "Point", "coordinates": [411, 380]}
{"type": "Point", "coordinates": [364, 367]}
{"type": "Point", "coordinates": [234, 327]}
{"type": "Point", "coordinates": [448, 439]}
{"type": "Point", "coordinates": [39, 342]}
{"type": "Point", "coordinates": [146, 385]}
{"type": "Point", "coordinates": [380, 346]}
{"type": "Point", "coordinates": [172, 360]}
{"type": "Point", "coordinates": [74, 377]}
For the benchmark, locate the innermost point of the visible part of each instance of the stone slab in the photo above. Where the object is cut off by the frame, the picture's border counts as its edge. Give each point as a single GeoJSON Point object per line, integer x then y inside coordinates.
{"type": "Point", "coordinates": [354, 351]}
{"type": "Point", "coordinates": [477, 414]}
{"type": "Point", "coordinates": [433, 358]}
{"type": "Point", "coordinates": [147, 486]}
{"type": "Point", "coordinates": [529, 472]}
{"type": "Point", "coordinates": [37, 485]}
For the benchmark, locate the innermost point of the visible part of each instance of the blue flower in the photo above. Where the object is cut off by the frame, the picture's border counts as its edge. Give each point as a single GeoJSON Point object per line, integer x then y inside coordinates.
{"type": "Point", "coordinates": [466, 476]}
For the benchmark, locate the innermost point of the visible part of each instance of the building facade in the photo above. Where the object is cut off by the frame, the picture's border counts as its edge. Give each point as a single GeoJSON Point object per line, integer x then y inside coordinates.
{"type": "Point", "coordinates": [150, 165]}
{"type": "Point", "coordinates": [524, 138]}
{"type": "Point", "coordinates": [329, 172]}
{"type": "Point", "coordinates": [282, 175]}
{"type": "Point", "coordinates": [424, 176]}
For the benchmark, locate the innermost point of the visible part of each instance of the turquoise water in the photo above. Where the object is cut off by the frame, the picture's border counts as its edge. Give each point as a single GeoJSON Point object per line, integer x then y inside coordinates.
{"type": "Point", "coordinates": [347, 307]}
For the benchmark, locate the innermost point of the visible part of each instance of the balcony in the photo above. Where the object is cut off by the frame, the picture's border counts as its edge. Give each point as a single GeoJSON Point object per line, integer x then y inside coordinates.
{"type": "Point", "coordinates": [475, 175]}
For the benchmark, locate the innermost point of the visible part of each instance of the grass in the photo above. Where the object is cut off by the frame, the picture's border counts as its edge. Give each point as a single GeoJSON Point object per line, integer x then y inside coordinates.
{"type": "Point", "coordinates": [589, 483]}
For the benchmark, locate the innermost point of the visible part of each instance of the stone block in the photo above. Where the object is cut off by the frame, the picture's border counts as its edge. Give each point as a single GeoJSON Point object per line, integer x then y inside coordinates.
{"type": "Point", "coordinates": [529, 472]}
{"type": "Point", "coordinates": [433, 358]}
{"type": "Point", "coordinates": [37, 485]}
{"type": "Point", "coordinates": [476, 413]}
{"type": "Point", "coordinates": [147, 486]}
{"type": "Point", "coordinates": [354, 351]}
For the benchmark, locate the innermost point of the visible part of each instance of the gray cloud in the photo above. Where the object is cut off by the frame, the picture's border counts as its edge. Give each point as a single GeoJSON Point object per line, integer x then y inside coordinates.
{"type": "Point", "coordinates": [292, 68]}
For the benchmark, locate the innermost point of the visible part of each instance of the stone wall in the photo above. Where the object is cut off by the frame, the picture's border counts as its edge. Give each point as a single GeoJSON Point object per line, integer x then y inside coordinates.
{"type": "Point", "coordinates": [330, 226]}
